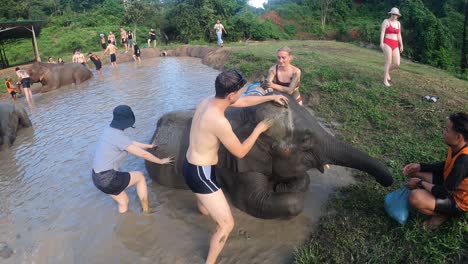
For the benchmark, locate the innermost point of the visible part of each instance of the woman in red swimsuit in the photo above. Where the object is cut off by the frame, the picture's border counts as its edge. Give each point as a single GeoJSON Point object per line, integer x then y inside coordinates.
{"type": "Point", "coordinates": [390, 37]}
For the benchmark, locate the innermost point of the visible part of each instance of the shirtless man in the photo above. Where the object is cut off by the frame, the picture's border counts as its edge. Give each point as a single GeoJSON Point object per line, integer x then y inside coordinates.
{"type": "Point", "coordinates": [123, 38]}
{"type": "Point", "coordinates": [111, 48]}
{"type": "Point", "coordinates": [111, 37]}
{"type": "Point", "coordinates": [210, 128]}
{"type": "Point", "coordinates": [78, 57]}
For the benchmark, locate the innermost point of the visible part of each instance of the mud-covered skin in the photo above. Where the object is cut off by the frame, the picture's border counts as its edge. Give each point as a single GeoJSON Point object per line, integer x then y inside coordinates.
{"type": "Point", "coordinates": [12, 118]}
{"type": "Point", "coordinates": [53, 76]}
{"type": "Point", "coordinates": [271, 180]}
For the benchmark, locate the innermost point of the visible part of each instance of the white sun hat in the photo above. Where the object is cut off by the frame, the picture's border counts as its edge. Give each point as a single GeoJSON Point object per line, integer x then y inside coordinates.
{"type": "Point", "coordinates": [395, 11]}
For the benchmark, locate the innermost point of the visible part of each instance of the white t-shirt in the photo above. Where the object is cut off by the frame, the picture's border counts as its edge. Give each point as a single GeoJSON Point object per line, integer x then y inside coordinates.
{"type": "Point", "coordinates": [219, 28]}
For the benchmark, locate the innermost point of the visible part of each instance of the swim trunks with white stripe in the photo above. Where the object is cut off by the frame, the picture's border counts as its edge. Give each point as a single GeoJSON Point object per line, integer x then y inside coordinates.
{"type": "Point", "coordinates": [200, 179]}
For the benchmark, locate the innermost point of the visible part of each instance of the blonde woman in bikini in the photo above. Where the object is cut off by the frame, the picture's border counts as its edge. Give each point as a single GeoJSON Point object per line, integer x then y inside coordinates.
{"type": "Point", "coordinates": [284, 77]}
{"type": "Point", "coordinates": [390, 38]}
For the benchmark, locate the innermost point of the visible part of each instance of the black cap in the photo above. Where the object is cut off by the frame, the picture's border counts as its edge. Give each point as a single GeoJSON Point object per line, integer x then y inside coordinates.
{"type": "Point", "coordinates": [123, 117]}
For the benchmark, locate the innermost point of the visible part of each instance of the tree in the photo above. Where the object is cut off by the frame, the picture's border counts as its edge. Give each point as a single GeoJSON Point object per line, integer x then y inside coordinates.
{"type": "Point", "coordinates": [464, 49]}
{"type": "Point", "coordinates": [326, 6]}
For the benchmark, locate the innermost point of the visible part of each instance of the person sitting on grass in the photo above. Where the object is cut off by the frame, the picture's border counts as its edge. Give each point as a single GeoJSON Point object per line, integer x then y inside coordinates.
{"type": "Point", "coordinates": [441, 189]}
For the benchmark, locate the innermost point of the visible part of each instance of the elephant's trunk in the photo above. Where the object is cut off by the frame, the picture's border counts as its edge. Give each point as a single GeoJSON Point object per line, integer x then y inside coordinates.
{"type": "Point", "coordinates": [339, 153]}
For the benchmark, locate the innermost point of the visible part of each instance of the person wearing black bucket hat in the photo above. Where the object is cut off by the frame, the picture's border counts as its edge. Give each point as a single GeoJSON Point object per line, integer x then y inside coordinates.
{"type": "Point", "coordinates": [210, 128]}
{"type": "Point", "coordinates": [111, 149]}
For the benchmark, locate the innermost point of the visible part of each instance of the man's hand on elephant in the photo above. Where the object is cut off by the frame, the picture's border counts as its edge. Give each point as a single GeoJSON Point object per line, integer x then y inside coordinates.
{"type": "Point", "coordinates": [168, 160]}
{"type": "Point", "coordinates": [281, 100]}
{"type": "Point", "coordinates": [411, 168]}
{"type": "Point", "coordinates": [264, 125]}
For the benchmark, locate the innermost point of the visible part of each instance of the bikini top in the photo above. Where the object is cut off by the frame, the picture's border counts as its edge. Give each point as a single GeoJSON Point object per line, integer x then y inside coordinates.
{"type": "Point", "coordinates": [391, 30]}
{"type": "Point", "coordinates": [275, 80]}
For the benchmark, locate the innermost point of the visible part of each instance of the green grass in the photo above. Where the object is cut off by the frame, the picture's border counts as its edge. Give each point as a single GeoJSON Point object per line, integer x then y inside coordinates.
{"type": "Point", "coordinates": [343, 83]}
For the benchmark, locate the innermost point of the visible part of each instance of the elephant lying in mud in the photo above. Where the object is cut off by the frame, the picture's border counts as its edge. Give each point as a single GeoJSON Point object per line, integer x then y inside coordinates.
{"type": "Point", "coordinates": [12, 117]}
{"type": "Point", "coordinates": [53, 76]}
{"type": "Point", "coordinates": [271, 180]}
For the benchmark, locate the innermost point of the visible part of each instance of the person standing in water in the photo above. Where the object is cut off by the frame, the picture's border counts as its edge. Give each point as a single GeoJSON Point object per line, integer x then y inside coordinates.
{"type": "Point", "coordinates": [390, 38]}
{"type": "Point", "coordinates": [97, 62]}
{"type": "Point", "coordinates": [210, 128]}
{"type": "Point", "coordinates": [112, 147]}
{"type": "Point", "coordinates": [136, 52]}
{"type": "Point", "coordinates": [283, 76]}
{"type": "Point", "coordinates": [111, 48]}
{"type": "Point", "coordinates": [23, 78]}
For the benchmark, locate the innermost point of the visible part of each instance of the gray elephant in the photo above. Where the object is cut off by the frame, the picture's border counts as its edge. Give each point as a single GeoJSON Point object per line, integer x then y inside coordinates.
{"type": "Point", "coordinates": [12, 117]}
{"type": "Point", "coordinates": [271, 180]}
{"type": "Point", "coordinates": [53, 76]}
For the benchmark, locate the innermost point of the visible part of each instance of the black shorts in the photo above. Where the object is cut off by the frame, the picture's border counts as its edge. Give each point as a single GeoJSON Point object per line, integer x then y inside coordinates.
{"type": "Point", "coordinates": [137, 55]}
{"type": "Point", "coordinates": [26, 82]}
{"type": "Point", "coordinates": [124, 41]}
{"type": "Point", "coordinates": [103, 45]}
{"type": "Point", "coordinates": [152, 37]}
{"type": "Point", "coordinates": [98, 65]}
{"type": "Point", "coordinates": [200, 179]}
{"type": "Point", "coordinates": [12, 93]}
{"type": "Point", "coordinates": [448, 207]}
{"type": "Point", "coordinates": [113, 58]}
{"type": "Point", "coordinates": [111, 181]}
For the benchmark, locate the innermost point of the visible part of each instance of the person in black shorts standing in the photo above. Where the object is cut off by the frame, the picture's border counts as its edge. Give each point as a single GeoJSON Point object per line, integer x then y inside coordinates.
{"type": "Point", "coordinates": [152, 37]}
{"type": "Point", "coordinates": [97, 62]}
{"type": "Point", "coordinates": [136, 52]}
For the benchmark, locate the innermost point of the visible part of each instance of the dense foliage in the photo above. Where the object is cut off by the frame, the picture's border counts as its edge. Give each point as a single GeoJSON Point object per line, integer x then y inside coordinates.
{"type": "Point", "coordinates": [432, 30]}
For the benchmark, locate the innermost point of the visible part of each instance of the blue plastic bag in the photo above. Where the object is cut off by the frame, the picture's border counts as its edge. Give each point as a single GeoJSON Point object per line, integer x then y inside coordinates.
{"type": "Point", "coordinates": [397, 205]}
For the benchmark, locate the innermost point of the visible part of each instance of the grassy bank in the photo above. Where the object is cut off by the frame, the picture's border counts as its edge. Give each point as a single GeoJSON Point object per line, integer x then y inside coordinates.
{"type": "Point", "coordinates": [343, 83]}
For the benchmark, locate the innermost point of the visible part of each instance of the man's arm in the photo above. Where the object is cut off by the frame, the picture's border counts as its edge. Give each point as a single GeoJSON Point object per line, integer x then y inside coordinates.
{"type": "Point", "coordinates": [224, 133]}
{"type": "Point", "coordinates": [255, 100]}
{"type": "Point", "coordinates": [456, 176]}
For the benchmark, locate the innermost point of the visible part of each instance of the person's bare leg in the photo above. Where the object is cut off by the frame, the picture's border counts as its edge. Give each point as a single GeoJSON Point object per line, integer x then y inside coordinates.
{"type": "Point", "coordinates": [396, 61]}
{"type": "Point", "coordinates": [434, 222]}
{"type": "Point", "coordinates": [218, 208]}
{"type": "Point", "coordinates": [122, 201]}
{"type": "Point", "coordinates": [388, 63]}
{"type": "Point", "coordinates": [201, 208]}
{"type": "Point", "coordinates": [426, 176]}
{"type": "Point", "coordinates": [138, 178]}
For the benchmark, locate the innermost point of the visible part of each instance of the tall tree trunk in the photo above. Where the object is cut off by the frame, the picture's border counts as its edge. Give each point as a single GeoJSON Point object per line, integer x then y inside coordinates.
{"type": "Point", "coordinates": [464, 55]}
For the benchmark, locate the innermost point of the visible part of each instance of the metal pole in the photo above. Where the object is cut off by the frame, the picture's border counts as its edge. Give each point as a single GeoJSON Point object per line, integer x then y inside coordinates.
{"type": "Point", "coordinates": [36, 50]}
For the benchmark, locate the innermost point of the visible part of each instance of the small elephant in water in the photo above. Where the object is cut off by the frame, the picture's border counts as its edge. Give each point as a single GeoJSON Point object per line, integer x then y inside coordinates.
{"type": "Point", "coordinates": [12, 117]}
{"type": "Point", "coordinates": [53, 76]}
{"type": "Point", "coordinates": [271, 180]}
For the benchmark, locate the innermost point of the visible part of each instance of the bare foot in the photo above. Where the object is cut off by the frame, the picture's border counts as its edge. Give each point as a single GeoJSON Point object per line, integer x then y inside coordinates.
{"type": "Point", "coordinates": [144, 206]}
{"type": "Point", "coordinates": [386, 83]}
{"type": "Point", "coordinates": [434, 222]}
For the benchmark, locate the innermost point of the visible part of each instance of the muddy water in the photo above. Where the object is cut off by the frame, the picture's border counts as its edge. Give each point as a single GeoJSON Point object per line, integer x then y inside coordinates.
{"type": "Point", "coordinates": [50, 211]}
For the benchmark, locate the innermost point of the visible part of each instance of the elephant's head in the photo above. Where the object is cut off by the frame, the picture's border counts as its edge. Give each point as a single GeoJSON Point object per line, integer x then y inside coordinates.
{"type": "Point", "coordinates": [38, 69]}
{"type": "Point", "coordinates": [297, 142]}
